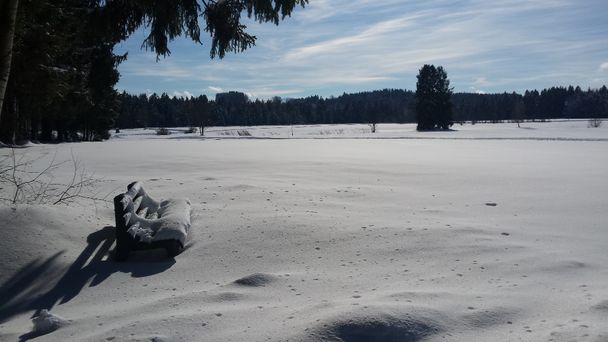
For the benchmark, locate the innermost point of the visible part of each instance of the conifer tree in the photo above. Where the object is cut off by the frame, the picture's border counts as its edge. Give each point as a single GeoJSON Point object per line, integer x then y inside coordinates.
{"type": "Point", "coordinates": [433, 99]}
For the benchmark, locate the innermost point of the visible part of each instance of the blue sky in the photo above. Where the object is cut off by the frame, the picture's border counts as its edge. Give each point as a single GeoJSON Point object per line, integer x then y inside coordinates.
{"type": "Point", "coordinates": [337, 46]}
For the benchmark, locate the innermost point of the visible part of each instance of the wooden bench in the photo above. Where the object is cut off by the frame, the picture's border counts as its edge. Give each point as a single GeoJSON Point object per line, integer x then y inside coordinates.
{"type": "Point", "coordinates": [144, 223]}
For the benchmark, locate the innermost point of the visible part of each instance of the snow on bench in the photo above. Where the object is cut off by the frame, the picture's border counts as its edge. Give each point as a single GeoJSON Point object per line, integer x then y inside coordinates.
{"type": "Point", "coordinates": [144, 223]}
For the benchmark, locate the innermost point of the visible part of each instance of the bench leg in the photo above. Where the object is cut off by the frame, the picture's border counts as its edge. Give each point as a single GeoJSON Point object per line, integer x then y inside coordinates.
{"type": "Point", "coordinates": [173, 248]}
{"type": "Point", "coordinates": [122, 237]}
{"type": "Point", "coordinates": [121, 252]}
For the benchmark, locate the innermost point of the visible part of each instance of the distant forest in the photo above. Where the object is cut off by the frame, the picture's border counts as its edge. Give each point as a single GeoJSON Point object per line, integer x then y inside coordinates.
{"type": "Point", "coordinates": [387, 106]}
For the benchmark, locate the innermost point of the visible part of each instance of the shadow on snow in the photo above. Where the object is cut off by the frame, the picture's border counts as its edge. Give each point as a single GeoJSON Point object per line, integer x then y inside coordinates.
{"type": "Point", "coordinates": [28, 289]}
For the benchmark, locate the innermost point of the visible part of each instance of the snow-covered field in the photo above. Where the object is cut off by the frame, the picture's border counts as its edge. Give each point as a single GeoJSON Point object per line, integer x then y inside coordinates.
{"type": "Point", "coordinates": [555, 130]}
{"type": "Point", "coordinates": [490, 233]}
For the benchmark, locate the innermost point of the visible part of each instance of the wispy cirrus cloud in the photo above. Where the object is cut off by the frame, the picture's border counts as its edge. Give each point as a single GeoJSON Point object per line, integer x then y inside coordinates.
{"type": "Point", "coordinates": [335, 46]}
{"type": "Point", "coordinates": [368, 36]}
{"type": "Point", "coordinates": [215, 89]}
{"type": "Point", "coordinates": [270, 92]}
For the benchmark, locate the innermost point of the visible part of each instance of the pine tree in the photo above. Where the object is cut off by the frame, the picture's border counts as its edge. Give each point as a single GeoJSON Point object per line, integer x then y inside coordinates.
{"type": "Point", "coordinates": [62, 75]}
{"type": "Point", "coordinates": [433, 99]}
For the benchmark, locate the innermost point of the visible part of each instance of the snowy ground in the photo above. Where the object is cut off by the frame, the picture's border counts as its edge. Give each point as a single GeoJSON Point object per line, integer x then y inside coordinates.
{"type": "Point", "coordinates": [491, 233]}
{"type": "Point", "coordinates": [555, 130]}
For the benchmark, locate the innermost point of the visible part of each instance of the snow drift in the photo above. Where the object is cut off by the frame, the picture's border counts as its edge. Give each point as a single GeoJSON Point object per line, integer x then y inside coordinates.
{"type": "Point", "coordinates": [334, 239]}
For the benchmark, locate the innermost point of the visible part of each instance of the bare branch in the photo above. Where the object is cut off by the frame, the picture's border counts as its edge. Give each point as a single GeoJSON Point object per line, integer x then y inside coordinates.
{"type": "Point", "coordinates": [31, 186]}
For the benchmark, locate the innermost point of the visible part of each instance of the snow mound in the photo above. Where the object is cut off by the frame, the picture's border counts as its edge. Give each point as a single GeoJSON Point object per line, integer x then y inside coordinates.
{"type": "Point", "coordinates": [488, 318]}
{"type": "Point", "coordinates": [378, 326]}
{"type": "Point", "coordinates": [142, 338]}
{"type": "Point", "coordinates": [152, 338]}
{"type": "Point", "coordinates": [601, 307]}
{"type": "Point", "coordinates": [227, 297]}
{"type": "Point", "coordinates": [256, 280]}
{"type": "Point", "coordinates": [47, 322]}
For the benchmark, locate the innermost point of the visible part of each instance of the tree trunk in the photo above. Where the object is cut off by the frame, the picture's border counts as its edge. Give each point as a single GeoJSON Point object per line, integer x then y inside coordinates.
{"type": "Point", "coordinates": [46, 134]}
{"type": "Point", "coordinates": [8, 15]}
{"type": "Point", "coordinates": [8, 119]}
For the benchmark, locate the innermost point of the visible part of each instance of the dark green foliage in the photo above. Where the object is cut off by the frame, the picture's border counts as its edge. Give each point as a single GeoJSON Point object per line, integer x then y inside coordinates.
{"type": "Point", "coordinates": [166, 21]}
{"type": "Point", "coordinates": [487, 107]}
{"type": "Point", "coordinates": [63, 74]}
{"type": "Point", "coordinates": [561, 102]}
{"type": "Point", "coordinates": [229, 34]}
{"type": "Point", "coordinates": [223, 19]}
{"type": "Point", "coordinates": [102, 77]}
{"type": "Point", "coordinates": [590, 104]}
{"type": "Point", "coordinates": [234, 108]}
{"type": "Point", "coordinates": [170, 19]}
{"type": "Point", "coordinates": [232, 98]}
{"type": "Point", "coordinates": [200, 112]}
{"type": "Point", "coordinates": [433, 99]}
{"type": "Point", "coordinates": [382, 106]}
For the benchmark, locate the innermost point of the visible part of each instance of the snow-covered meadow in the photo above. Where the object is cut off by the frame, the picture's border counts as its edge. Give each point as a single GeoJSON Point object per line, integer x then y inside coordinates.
{"type": "Point", "coordinates": [555, 130]}
{"type": "Point", "coordinates": [327, 233]}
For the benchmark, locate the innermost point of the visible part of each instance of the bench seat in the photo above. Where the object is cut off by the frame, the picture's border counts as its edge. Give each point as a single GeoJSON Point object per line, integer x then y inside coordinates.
{"type": "Point", "coordinates": [144, 223]}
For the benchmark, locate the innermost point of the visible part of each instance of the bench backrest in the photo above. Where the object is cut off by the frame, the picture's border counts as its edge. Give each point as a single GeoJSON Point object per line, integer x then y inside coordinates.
{"type": "Point", "coordinates": [133, 206]}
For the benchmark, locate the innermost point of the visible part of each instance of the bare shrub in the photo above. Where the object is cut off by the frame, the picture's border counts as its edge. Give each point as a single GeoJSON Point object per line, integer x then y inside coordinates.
{"type": "Point", "coordinates": [594, 123]}
{"type": "Point", "coordinates": [163, 131]}
{"type": "Point", "coordinates": [26, 185]}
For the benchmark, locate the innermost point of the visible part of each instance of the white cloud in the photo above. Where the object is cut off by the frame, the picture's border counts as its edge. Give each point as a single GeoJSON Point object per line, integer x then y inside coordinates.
{"type": "Point", "coordinates": [159, 70]}
{"type": "Point", "coordinates": [477, 91]}
{"type": "Point", "coordinates": [167, 70]}
{"type": "Point", "coordinates": [481, 82]}
{"type": "Point", "coordinates": [604, 66]}
{"type": "Point", "coordinates": [185, 94]}
{"type": "Point", "coordinates": [215, 89]}
{"type": "Point", "coordinates": [269, 92]}
{"type": "Point", "coordinates": [372, 33]}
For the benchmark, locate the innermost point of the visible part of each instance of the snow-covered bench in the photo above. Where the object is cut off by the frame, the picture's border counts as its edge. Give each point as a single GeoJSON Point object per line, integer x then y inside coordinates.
{"type": "Point", "coordinates": [143, 223]}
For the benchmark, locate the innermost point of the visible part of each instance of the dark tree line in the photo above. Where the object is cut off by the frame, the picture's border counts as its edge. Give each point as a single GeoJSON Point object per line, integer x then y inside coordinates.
{"type": "Point", "coordinates": [387, 106]}
{"type": "Point", "coordinates": [552, 103]}
{"type": "Point", "coordinates": [162, 111]}
{"type": "Point", "coordinates": [229, 109]}
{"type": "Point", "coordinates": [58, 70]}
{"type": "Point", "coordinates": [567, 102]}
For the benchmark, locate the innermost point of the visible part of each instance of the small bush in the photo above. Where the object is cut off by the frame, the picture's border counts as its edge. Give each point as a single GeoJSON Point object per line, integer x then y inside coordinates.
{"type": "Point", "coordinates": [595, 123]}
{"type": "Point", "coordinates": [191, 130]}
{"type": "Point", "coordinates": [29, 185]}
{"type": "Point", "coordinates": [100, 136]}
{"type": "Point", "coordinates": [162, 131]}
